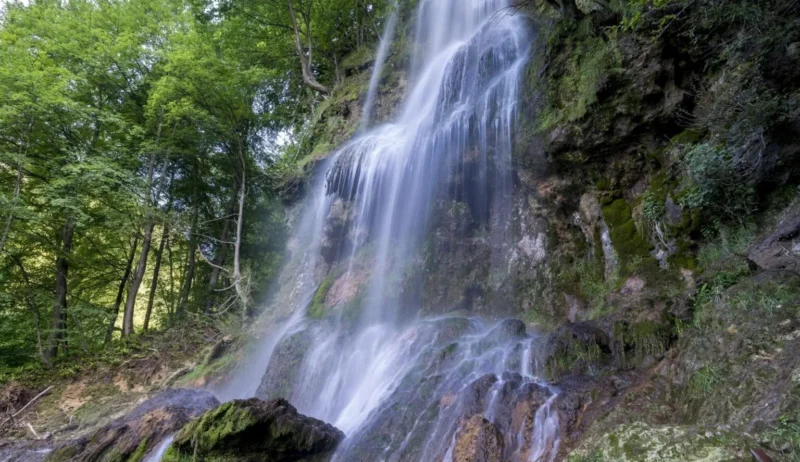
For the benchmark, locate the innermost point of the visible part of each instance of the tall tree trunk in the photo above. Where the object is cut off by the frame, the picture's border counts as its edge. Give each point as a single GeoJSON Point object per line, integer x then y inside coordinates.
{"type": "Point", "coordinates": [136, 280]}
{"type": "Point", "coordinates": [237, 272]}
{"type": "Point", "coordinates": [57, 339]}
{"type": "Point", "coordinates": [121, 291]}
{"type": "Point", "coordinates": [156, 270]}
{"type": "Point", "coordinates": [10, 219]}
{"type": "Point", "coordinates": [186, 290]}
{"type": "Point", "coordinates": [306, 61]}
{"type": "Point", "coordinates": [222, 252]}
{"type": "Point", "coordinates": [141, 266]}
{"type": "Point", "coordinates": [171, 306]}
{"type": "Point", "coordinates": [33, 308]}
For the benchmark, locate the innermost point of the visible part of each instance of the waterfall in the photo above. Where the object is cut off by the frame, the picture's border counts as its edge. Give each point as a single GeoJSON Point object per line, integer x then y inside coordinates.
{"type": "Point", "coordinates": [380, 59]}
{"type": "Point", "coordinates": [359, 352]}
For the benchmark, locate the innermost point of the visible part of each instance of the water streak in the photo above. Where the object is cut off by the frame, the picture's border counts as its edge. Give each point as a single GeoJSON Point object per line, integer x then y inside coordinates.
{"type": "Point", "coordinates": [380, 59]}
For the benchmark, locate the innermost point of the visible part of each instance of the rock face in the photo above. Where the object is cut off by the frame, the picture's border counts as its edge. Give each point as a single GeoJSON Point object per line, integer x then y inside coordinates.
{"type": "Point", "coordinates": [780, 250]}
{"type": "Point", "coordinates": [135, 435]}
{"type": "Point", "coordinates": [479, 441]}
{"type": "Point", "coordinates": [254, 430]}
{"type": "Point", "coordinates": [638, 442]}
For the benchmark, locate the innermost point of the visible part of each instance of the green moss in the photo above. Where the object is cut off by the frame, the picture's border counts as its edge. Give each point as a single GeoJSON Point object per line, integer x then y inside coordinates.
{"type": "Point", "coordinates": [583, 59]}
{"type": "Point", "coordinates": [631, 247]}
{"type": "Point", "coordinates": [318, 309]}
{"type": "Point", "coordinates": [65, 454]}
{"type": "Point", "coordinates": [688, 136]}
{"type": "Point", "coordinates": [643, 340]}
{"type": "Point", "coordinates": [575, 357]}
{"type": "Point", "coordinates": [682, 260]}
{"type": "Point", "coordinates": [360, 58]}
{"type": "Point", "coordinates": [214, 368]}
{"type": "Point", "coordinates": [207, 431]}
{"type": "Point", "coordinates": [786, 434]}
{"type": "Point", "coordinates": [703, 383]}
{"type": "Point", "coordinates": [640, 442]}
{"type": "Point", "coordinates": [140, 452]}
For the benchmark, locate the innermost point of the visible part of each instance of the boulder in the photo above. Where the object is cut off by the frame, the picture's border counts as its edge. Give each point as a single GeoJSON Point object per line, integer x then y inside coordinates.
{"type": "Point", "coordinates": [135, 435]}
{"type": "Point", "coordinates": [478, 441]}
{"type": "Point", "coordinates": [24, 451]}
{"type": "Point", "coordinates": [254, 430]}
{"type": "Point", "coordinates": [780, 250]}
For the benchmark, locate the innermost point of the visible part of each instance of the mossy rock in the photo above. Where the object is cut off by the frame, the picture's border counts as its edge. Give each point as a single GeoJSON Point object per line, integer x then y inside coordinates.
{"type": "Point", "coordinates": [254, 430]}
{"type": "Point", "coordinates": [132, 437]}
{"type": "Point", "coordinates": [577, 349]}
{"type": "Point", "coordinates": [626, 238]}
{"type": "Point", "coordinates": [639, 442]}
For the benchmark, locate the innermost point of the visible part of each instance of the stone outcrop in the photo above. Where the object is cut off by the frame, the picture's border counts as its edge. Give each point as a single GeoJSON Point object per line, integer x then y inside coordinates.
{"type": "Point", "coordinates": [478, 441]}
{"type": "Point", "coordinates": [135, 435]}
{"type": "Point", "coordinates": [780, 250]}
{"type": "Point", "coordinates": [254, 430]}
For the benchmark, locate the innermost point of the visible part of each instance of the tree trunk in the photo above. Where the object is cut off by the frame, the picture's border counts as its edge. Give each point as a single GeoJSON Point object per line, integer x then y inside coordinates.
{"type": "Point", "coordinates": [10, 219]}
{"type": "Point", "coordinates": [237, 272]}
{"type": "Point", "coordinates": [147, 240]}
{"type": "Point", "coordinates": [305, 61]}
{"type": "Point", "coordinates": [156, 270]}
{"type": "Point", "coordinates": [121, 291]}
{"type": "Point", "coordinates": [136, 280]}
{"type": "Point", "coordinates": [222, 252]}
{"type": "Point", "coordinates": [33, 308]}
{"type": "Point", "coordinates": [171, 306]}
{"type": "Point", "coordinates": [186, 290]}
{"type": "Point", "coordinates": [57, 339]}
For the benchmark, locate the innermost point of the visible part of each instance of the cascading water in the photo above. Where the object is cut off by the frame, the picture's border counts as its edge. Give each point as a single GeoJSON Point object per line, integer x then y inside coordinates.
{"type": "Point", "coordinates": [380, 60]}
{"type": "Point", "coordinates": [358, 352]}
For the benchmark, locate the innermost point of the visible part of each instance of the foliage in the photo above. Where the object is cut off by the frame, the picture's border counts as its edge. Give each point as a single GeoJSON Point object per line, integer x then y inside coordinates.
{"type": "Point", "coordinates": [717, 184]}
{"type": "Point", "coordinates": [585, 66]}
{"type": "Point", "coordinates": [128, 133]}
{"type": "Point", "coordinates": [785, 436]}
{"type": "Point", "coordinates": [588, 276]}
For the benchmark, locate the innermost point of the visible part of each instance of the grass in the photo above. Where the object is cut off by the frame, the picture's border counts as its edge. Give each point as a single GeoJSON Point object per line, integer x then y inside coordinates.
{"type": "Point", "coordinates": [588, 275]}
{"type": "Point", "coordinates": [704, 382]}
{"type": "Point", "coordinates": [785, 436]}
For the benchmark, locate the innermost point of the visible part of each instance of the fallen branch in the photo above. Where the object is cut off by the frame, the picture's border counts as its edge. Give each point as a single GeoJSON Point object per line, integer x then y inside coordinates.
{"type": "Point", "coordinates": [176, 375]}
{"type": "Point", "coordinates": [11, 418]}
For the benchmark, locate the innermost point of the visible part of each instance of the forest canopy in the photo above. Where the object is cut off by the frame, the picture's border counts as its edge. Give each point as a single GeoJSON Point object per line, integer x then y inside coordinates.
{"type": "Point", "coordinates": [143, 145]}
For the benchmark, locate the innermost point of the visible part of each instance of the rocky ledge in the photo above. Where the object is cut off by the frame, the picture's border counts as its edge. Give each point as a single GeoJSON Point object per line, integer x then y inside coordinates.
{"type": "Point", "coordinates": [254, 430]}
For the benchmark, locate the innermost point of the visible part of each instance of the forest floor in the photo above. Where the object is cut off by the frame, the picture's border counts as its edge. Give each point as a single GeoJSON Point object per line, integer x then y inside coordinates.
{"type": "Point", "coordinates": [88, 390]}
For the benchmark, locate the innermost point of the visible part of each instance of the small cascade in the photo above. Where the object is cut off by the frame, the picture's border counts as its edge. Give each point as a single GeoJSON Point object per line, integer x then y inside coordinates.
{"type": "Point", "coordinates": [380, 59]}
{"type": "Point", "coordinates": [160, 450]}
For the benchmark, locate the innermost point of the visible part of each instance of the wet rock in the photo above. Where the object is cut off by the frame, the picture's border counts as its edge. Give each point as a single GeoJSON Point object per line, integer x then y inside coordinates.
{"type": "Point", "coordinates": [133, 436]}
{"type": "Point", "coordinates": [576, 308]}
{"type": "Point", "coordinates": [672, 212]}
{"type": "Point", "coordinates": [534, 248]}
{"type": "Point", "coordinates": [590, 212]}
{"type": "Point", "coordinates": [284, 366]}
{"type": "Point", "coordinates": [334, 239]}
{"type": "Point", "coordinates": [346, 288]}
{"type": "Point", "coordinates": [780, 250]}
{"type": "Point", "coordinates": [508, 329]}
{"type": "Point", "coordinates": [254, 430]}
{"type": "Point", "coordinates": [478, 441]}
{"type": "Point", "coordinates": [632, 285]}
{"type": "Point", "coordinates": [24, 451]}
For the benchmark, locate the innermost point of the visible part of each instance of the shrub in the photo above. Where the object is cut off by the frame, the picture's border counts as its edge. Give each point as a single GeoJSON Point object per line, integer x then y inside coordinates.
{"type": "Point", "coordinates": [719, 185]}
